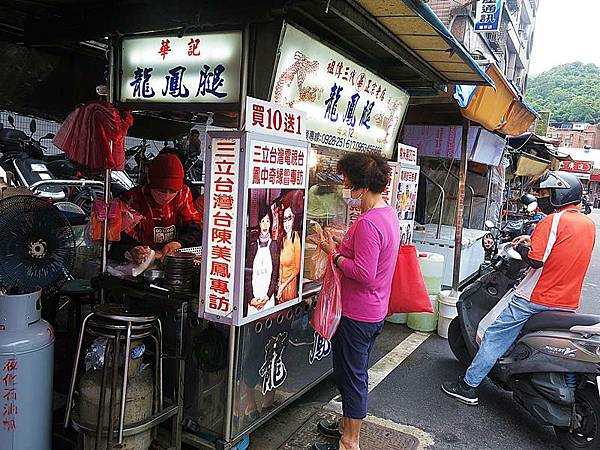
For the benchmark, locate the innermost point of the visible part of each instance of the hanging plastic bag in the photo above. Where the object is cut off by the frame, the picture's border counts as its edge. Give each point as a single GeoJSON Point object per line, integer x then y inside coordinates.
{"type": "Point", "coordinates": [493, 314]}
{"type": "Point", "coordinates": [409, 293]}
{"type": "Point", "coordinates": [318, 263]}
{"type": "Point", "coordinates": [328, 313]}
{"type": "Point", "coordinates": [99, 215]}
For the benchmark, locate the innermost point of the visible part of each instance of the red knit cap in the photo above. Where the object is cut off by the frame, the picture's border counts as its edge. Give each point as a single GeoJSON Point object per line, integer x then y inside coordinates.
{"type": "Point", "coordinates": [166, 172]}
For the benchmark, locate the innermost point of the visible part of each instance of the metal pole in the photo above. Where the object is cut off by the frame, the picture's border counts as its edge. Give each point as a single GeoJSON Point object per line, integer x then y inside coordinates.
{"type": "Point", "coordinates": [105, 228]}
{"type": "Point", "coordinates": [230, 381]}
{"type": "Point", "coordinates": [487, 197]}
{"type": "Point", "coordinates": [460, 206]}
{"type": "Point", "coordinates": [442, 203]}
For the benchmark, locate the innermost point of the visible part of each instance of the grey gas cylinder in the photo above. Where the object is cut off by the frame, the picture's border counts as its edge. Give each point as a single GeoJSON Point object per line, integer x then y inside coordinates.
{"type": "Point", "coordinates": [138, 404]}
{"type": "Point", "coordinates": [26, 369]}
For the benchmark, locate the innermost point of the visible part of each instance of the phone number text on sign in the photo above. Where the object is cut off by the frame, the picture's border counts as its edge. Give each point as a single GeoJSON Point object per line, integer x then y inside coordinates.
{"type": "Point", "coordinates": [274, 165]}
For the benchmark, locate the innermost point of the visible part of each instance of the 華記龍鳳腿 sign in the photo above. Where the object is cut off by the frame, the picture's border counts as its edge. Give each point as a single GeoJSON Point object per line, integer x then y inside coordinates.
{"type": "Point", "coordinates": [195, 68]}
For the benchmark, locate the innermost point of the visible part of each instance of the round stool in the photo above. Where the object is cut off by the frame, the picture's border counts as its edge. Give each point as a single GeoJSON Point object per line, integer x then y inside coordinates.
{"type": "Point", "coordinates": [120, 326]}
{"type": "Point", "coordinates": [78, 292]}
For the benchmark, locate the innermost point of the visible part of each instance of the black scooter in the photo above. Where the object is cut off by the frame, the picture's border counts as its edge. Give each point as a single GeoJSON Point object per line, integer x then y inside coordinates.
{"type": "Point", "coordinates": [553, 369]}
{"type": "Point", "coordinates": [23, 156]}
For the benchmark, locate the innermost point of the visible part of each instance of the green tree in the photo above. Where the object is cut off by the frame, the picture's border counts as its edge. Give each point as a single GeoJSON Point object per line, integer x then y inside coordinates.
{"type": "Point", "coordinates": [571, 92]}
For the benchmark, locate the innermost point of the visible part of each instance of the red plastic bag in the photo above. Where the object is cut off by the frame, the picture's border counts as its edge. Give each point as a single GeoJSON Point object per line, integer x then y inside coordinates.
{"type": "Point", "coordinates": [328, 313]}
{"type": "Point", "coordinates": [94, 135]}
{"type": "Point", "coordinates": [409, 293]}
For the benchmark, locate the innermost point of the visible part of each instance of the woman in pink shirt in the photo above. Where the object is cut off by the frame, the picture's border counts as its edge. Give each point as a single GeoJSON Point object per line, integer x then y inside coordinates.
{"type": "Point", "coordinates": [367, 258]}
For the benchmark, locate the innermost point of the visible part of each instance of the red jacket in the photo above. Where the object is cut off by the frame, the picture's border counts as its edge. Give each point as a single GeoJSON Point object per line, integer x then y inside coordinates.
{"type": "Point", "coordinates": [178, 220]}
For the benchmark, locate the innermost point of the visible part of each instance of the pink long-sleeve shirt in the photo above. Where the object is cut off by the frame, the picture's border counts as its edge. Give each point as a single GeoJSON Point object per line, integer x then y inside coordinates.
{"type": "Point", "coordinates": [370, 248]}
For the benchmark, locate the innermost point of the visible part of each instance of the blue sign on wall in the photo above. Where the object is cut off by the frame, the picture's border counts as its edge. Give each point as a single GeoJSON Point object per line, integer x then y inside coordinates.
{"type": "Point", "coordinates": [489, 15]}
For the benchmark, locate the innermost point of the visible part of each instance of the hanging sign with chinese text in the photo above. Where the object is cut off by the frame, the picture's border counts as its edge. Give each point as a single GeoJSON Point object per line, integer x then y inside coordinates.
{"type": "Point", "coordinates": [488, 15]}
{"type": "Point", "coordinates": [577, 166]}
{"type": "Point", "coordinates": [220, 244]}
{"type": "Point", "coordinates": [407, 154]}
{"type": "Point", "coordinates": [276, 120]}
{"type": "Point", "coordinates": [195, 68]}
{"type": "Point", "coordinates": [347, 107]}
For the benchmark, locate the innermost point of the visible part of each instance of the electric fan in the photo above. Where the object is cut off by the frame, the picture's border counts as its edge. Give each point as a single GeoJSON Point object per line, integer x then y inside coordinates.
{"type": "Point", "coordinates": [37, 245]}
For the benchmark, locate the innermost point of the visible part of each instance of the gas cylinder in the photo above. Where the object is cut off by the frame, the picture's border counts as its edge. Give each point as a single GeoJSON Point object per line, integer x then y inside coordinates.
{"type": "Point", "coordinates": [138, 404]}
{"type": "Point", "coordinates": [26, 368]}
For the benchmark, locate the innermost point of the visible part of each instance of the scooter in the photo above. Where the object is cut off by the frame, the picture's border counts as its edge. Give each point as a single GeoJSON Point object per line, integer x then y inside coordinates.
{"type": "Point", "coordinates": [24, 155]}
{"type": "Point", "coordinates": [51, 177]}
{"type": "Point", "coordinates": [553, 369]}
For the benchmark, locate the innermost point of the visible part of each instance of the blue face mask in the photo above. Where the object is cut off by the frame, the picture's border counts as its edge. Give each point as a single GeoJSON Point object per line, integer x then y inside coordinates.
{"type": "Point", "coordinates": [351, 202]}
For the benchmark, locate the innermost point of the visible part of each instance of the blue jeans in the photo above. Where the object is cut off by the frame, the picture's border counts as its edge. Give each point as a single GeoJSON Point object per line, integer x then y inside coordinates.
{"type": "Point", "coordinates": [500, 336]}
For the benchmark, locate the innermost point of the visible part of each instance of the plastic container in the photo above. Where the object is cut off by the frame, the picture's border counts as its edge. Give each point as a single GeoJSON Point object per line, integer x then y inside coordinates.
{"type": "Point", "coordinates": [443, 326]}
{"type": "Point", "coordinates": [398, 318]}
{"type": "Point", "coordinates": [447, 311]}
{"type": "Point", "coordinates": [425, 322]}
{"type": "Point", "coordinates": [432, 267]}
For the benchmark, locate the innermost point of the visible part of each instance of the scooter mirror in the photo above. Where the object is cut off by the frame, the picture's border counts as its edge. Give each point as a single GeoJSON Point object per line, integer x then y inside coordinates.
{"type": "Point", "coordinates": [32, 126]}
{"type": "Point", "coordinates": [532, 207]}
{"type": "Point", "coordinates": [11, 120]}
{"type": "Point", "coordinates": [489, 224]}
{"type": "Point", "coordinates": [48, 136]}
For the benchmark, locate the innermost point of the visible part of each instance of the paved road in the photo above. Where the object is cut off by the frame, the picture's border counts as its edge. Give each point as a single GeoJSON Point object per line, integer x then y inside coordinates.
{"type": "Point", "coordinates": [410, 395]}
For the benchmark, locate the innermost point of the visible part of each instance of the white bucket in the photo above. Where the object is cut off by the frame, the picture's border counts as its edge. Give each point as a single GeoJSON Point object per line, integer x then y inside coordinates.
{"type": "Point", "coordinates": [447, 307]}
{"type": "Point", "coordinates": [448, 311]}
{"type": "Point", "coordinates": [443, 326]}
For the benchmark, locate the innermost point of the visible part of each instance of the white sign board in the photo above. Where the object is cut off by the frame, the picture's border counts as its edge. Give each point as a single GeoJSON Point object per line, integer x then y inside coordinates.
{"type": "Point", "coordinates": [273, 119]}
{"type": "Point", "coordinates": [407, 154]}
{"type": "Point", "coordinates": [347, 107]}
{"type": "Point", "coordinates": [274, 165]}
{"type": "Point", "coordinates": [195, 68]}
{"type": "Point", "coordinates": [222, 220]}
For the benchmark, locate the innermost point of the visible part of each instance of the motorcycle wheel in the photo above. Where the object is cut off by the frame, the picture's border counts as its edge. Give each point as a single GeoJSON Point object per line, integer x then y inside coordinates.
{"type": "Point", "coordinates": [586, 435]}
{"type": "Point", "coordinates": [457, 343]}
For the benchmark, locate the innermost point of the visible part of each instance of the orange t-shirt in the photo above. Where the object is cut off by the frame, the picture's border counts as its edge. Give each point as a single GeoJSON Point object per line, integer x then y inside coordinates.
{"type": "Point", "coordinates": [564, 242]}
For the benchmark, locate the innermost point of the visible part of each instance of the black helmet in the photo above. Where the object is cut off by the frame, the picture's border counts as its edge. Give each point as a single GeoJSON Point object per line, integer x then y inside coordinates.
{"type": "Point", "coordinates": [565, 188]}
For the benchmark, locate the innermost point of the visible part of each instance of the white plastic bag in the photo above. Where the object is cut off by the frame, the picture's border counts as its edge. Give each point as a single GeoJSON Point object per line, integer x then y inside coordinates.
{"type": "Point", "coordinates": [493, 314]}
{"type": "Point", "coordinates": [131, 269]}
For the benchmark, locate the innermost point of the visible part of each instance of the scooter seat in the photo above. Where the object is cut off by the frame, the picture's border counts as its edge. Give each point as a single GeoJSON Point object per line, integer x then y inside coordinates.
{"type": "Point", "coordinates": [558, 320]}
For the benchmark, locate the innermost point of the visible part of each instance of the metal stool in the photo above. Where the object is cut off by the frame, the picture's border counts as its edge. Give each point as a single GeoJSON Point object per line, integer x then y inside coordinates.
{"type": "Point", "coordinates": [78, 291]}
{"type": "Point", "coordinates": [120, 326]}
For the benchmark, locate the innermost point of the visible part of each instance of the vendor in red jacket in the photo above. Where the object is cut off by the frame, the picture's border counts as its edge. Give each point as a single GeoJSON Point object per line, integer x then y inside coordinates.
{"type": "Point", "coordinates": [170, 218]}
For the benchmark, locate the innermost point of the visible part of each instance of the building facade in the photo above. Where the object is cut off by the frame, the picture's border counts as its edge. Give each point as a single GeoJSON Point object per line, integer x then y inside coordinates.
{"type": "Point", "coordinates": [576, 135]}
{"type": "Point", "coordinates": [510, 47]}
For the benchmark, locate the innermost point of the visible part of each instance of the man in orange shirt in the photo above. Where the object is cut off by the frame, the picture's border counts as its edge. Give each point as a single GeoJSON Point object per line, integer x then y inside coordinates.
{"type": "Point", "coordinates": [559, 254]}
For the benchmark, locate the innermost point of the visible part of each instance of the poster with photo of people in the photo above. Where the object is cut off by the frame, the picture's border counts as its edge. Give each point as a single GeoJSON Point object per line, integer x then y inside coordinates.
{"type": "Point", "coordinates": [274, 226]}
{"type": "Point", "coordinates": [406, 201]}
{"type": "Point", "coordinates": [274, 243]}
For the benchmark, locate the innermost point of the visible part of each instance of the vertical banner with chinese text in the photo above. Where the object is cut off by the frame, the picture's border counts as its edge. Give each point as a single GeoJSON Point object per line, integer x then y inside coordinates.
{"type": "Point", "coordinates": [405, 191]}
{"type": "Point", "coordinates": [220, 250]}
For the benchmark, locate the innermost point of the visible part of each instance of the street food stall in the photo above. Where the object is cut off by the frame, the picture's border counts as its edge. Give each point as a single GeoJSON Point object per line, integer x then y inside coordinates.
{"type": "Point", "coordinates": [224, 326]}
{"type": "Point", "coordinates": [439, 147]}
{"type": "Point", "coordinates": [234, 309]}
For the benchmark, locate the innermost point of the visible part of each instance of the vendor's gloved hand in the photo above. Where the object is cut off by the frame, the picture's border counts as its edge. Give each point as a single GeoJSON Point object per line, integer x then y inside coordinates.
{"type": "Point", "coordinates": [139, 253]}
{"type": "Point", "coordinates": [169, 249]}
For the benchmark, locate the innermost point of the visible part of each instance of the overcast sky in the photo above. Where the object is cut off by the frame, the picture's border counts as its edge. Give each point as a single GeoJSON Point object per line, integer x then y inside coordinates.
{"type": "Point", "coordinates": [566, 31]}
